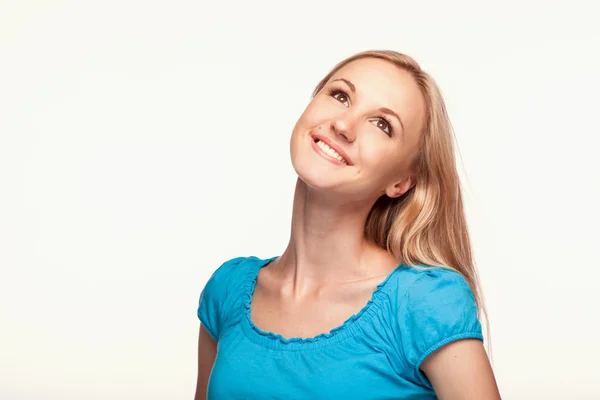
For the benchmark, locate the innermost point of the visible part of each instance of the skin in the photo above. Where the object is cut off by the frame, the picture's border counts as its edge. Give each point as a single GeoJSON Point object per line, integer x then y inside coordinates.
{"type": "Point", "coordinates": [207, 352]}
{"type": "Point", "coordinates": [327, 256]}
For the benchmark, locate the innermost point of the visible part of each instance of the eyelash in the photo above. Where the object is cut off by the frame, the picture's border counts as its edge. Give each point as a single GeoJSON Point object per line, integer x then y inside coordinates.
{"type": "Point", "coordinates": [333, 91]}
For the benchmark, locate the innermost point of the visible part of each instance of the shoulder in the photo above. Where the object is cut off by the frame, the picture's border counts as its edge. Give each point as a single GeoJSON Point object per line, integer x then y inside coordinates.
{"type": "Point", "coordinates": [226, 270]}
{"type": "Point", "coordinates": [432, 306]}
{"type": "Point", "coordinates": [432, 285]}
{"type": "Point", "coordinates": [440, 303]}
{"type": "Point", "coordinates": [232, 273]}
{"type": "Point", "coordinates": [223, 291]}
{"type": "Point", "coordinates": [436, 284]}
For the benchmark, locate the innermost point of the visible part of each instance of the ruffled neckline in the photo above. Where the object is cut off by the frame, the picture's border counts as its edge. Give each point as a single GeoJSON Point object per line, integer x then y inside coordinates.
{"type": "Point", "coordinates": [275, 340]}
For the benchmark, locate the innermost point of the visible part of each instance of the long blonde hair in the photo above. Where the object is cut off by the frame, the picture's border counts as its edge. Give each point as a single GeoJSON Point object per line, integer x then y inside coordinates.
{"type": "Point", "coordinates": [426, 225]}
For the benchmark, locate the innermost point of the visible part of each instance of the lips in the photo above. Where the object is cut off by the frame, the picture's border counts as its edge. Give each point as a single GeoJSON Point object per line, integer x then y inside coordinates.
{"type": "Point", "coordinates": [332, 150]}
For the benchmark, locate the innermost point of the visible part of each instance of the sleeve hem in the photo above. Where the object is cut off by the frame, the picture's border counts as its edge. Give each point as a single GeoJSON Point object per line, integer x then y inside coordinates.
{"type": "Point", "coordinates": [441, 343]}
{"type": "Point", "coordinates": [208, 329]}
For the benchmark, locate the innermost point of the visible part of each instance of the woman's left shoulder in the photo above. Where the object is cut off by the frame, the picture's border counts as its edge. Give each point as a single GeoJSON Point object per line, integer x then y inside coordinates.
{"type": "Point", "coordinates": [433, 303]}
{"type": "Point", "coordinates": [431, 307]}
{"type": "Point", "coordinates": [431, 284]}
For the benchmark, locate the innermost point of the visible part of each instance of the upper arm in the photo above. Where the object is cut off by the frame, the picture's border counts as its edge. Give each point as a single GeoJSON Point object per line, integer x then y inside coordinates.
{"type": "Point", "coordinates": [212, 305]}
{"type": "Point", "coordinates": [461, 371]}
{"type": "Point", "coordinates": [207, 352]}
{"type": "Point", "coordinates": [213, 312]}
{"type": "Point", "coordinates": [437, 310]}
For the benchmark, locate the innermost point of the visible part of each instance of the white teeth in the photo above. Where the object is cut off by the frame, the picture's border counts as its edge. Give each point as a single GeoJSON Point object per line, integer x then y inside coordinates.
{"type": "Point", "coordinates": [331, 152]}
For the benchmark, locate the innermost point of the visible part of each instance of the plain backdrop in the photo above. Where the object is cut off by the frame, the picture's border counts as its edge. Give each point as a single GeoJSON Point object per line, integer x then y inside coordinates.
{"type": "Point", "coordinates": [143, 143]}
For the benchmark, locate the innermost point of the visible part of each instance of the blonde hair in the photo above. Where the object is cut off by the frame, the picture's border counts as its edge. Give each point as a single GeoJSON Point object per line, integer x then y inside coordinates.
{"type": "Point", "coordinates": [426, 225]}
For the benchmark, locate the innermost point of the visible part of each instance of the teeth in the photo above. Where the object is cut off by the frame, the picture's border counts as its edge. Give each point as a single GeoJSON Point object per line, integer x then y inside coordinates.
{"type": "Point", "coordinates": [331, 152]}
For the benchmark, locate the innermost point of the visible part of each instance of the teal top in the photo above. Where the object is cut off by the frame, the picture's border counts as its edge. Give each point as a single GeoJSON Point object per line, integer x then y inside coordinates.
{"type": "Point", "coordinates": [374, 354]}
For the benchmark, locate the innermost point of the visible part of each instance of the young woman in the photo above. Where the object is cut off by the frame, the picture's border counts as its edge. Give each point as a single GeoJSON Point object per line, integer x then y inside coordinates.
{"type": "Point", "coordinates": [376, 295]}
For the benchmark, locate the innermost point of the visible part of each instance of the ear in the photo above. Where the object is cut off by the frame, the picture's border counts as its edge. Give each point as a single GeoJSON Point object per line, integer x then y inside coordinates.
{"type": "Point", "coordinates": [399, 188]}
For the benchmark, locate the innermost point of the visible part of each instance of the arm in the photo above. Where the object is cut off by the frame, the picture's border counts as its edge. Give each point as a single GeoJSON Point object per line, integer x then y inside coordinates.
{"type": "Point", "coordinates": [207, 352]}
{"type": "Point", "coordinates": [461, 371]}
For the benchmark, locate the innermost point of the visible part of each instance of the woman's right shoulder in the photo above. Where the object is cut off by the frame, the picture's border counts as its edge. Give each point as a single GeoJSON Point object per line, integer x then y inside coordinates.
{"type": "Point", "coordinates": [230, 270]}
{"type": "Point", "coordinates": [223, 290]}
{"type": "Point", "coordinates": [235, 271]}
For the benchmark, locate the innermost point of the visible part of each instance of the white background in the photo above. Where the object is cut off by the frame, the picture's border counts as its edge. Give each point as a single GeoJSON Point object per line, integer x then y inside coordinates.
{"type": "Point", "coordinates": [144, 143]}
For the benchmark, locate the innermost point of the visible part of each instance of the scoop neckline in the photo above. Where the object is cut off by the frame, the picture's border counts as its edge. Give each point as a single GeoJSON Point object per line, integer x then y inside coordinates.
{"type": "Point", "coordinates": [277, 341]}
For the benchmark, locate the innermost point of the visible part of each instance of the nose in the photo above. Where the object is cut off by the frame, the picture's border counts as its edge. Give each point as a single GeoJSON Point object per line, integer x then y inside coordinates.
{"type": "Point", "coordinates": [343, 126]}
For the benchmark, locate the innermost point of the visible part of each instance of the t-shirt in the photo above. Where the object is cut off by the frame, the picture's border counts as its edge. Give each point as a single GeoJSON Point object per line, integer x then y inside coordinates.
{"type": "Point", "coordinates": [375, 354]}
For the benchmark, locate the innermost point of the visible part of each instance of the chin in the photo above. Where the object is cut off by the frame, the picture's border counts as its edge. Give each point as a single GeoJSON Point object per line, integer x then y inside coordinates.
{"type": "Point", "coordinates": [324, 179]}
{"type": "Point", "coordinates": [310, 174]}
{"type": "Point", "coordinates": [313, 169]}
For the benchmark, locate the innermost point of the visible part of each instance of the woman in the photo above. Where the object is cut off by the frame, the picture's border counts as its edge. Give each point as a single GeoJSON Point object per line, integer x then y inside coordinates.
{"type": "Point", "coordinates": [376, 295]}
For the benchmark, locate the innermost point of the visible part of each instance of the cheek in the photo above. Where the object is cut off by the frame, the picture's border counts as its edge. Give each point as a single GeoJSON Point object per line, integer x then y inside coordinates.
{"type": "Point", "coordinates": [315, 114]}
{"type": "Point", "coordinates": [381, 162]}
{"type": "Point", "coordinates": [374, 148]}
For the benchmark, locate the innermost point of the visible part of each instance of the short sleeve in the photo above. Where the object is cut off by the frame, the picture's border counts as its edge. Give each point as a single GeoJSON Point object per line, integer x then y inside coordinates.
{"type": "Point", "coordinates": [213, 296]}
{"type": "Point", "coordinates": [439, 308]}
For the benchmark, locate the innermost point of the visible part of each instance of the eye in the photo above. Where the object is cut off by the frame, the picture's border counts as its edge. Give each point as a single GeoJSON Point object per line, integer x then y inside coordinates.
{"type": "Point", "coordinates": [385, 125]}
{"type": "Point", "coordinates": [339, 95]}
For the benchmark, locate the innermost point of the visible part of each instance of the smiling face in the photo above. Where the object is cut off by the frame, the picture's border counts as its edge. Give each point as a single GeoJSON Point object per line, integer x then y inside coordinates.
{"type": "Point", "coordinates": [360, 133]}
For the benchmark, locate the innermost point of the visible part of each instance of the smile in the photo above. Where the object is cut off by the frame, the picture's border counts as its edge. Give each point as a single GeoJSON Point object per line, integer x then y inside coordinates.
{"type": "Point", "coordinates": [328, 152]}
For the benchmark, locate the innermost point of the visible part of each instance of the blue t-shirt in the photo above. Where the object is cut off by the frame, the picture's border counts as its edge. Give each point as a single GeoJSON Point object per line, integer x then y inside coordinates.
{"type": "Point", "coordinates": [374, 354]}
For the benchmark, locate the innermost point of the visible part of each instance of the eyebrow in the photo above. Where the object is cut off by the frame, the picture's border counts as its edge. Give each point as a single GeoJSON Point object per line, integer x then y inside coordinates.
{"type": "Point", "coordinates": [392, 113]}
{"type": "Point", "coordinates": [352, 87]}
{"type": "Point", "coordinates": [384, 110]}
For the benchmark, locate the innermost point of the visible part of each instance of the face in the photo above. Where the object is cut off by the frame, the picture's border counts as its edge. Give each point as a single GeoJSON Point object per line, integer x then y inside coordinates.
{"type": "Point", "coordinates": [359, 134]}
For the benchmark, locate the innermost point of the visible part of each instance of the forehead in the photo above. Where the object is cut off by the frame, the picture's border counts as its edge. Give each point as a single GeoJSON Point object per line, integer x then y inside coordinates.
{"type": "Point", "coordinates": [383, 84]}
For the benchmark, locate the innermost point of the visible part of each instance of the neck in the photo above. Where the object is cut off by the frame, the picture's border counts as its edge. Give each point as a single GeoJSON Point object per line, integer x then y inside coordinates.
{"type": "Point", "coordinates": [327, 243]}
